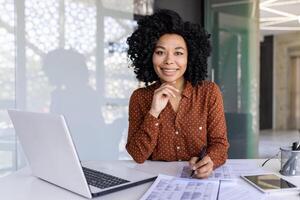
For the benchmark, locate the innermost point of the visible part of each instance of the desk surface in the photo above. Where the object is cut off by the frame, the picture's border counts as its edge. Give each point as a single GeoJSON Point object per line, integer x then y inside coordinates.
{"type": "Point", "coordinates": [21, 185]}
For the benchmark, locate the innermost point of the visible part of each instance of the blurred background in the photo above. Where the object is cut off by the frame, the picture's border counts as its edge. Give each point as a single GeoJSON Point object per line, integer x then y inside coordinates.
{"type": "Point", "coordinates": [69, 57]}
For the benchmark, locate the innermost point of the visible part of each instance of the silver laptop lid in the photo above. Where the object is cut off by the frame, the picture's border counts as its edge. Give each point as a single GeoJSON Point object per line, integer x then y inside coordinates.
{"type": "Point", "coordinates": [57, 164]}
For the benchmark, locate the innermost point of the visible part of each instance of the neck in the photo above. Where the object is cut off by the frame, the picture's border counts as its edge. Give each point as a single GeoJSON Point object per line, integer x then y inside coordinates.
{"type": "Point", "coordinates": [179, 84]}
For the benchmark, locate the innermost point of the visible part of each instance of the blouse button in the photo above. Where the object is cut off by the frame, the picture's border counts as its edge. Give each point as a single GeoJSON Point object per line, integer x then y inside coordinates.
{"type": "Point", "coordinates": [176, 132]}
{"type": "Point", "coordinates": [178, 147]}
{"type": "Point", "coordinates": [156, 124]}
{"type": "Point", "coordinates": [200, 128]}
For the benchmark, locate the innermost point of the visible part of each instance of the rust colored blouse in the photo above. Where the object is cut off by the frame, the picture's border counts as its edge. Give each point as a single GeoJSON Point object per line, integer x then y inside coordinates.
{"type": "Point", "coordinates": [173, 136]}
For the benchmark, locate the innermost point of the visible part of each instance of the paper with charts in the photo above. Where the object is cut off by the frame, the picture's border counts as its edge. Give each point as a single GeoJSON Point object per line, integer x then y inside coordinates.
{"type": "Point", "coordinates": [221, 173]}
{"type": "Point", "coordinates": [174, 188]}
{"type": "Point", "coordinates": [228, 171]}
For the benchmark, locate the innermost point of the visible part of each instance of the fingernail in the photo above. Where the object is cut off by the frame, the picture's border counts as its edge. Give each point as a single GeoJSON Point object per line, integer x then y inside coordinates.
{"type": "Point", "coordinates": [195, 172]}
{"type": "Point", "coordinates": [194, 168]}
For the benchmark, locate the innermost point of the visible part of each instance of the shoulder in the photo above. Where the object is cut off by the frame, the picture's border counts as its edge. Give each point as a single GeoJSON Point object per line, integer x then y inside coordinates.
{"type": "Point", "coordinates": [210, 91]}
{"type": "Point", "coordinates": [208, 86]}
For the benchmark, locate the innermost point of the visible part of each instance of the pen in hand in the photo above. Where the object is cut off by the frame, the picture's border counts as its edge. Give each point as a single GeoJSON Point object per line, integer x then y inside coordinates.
{"type": "Point", "coordinates": [200, 157]}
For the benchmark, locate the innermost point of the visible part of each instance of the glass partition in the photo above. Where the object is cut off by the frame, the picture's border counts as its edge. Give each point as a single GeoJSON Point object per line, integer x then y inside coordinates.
{"type": "Point", "coordinates": [234, 67]}
{"type": "Point", "coordinates": [7, 85]}
{"type": "Point", "coordinates": [68, 57]}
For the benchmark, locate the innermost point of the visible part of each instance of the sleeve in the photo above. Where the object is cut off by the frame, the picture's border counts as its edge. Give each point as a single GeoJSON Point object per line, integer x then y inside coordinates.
{"type": "Point", "coordinates": [142, 132]}
{"type": "Point", "coordinates": [217, 142]}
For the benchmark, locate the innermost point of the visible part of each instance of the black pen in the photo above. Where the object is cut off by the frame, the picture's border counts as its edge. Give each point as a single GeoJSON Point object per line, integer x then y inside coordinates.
{"type": "Point", "coordinates": [200, 157]}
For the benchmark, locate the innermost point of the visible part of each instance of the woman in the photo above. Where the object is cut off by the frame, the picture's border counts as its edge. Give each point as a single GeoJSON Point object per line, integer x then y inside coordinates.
{"type": "Point", "coordinates": [180, 114]}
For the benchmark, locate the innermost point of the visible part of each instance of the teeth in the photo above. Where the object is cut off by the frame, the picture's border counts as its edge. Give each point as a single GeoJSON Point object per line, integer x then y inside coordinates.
{"type": "Point", "coordinates": [169, 70]}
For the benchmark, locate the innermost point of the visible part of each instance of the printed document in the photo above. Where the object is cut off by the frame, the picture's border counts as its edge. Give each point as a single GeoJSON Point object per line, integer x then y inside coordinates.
{"type": "Point", "coordinates": [229, 171]}
{"type": "Point", "coordinates": [174, 188]}
{"type": "Point", "coordinates": [221, 173]}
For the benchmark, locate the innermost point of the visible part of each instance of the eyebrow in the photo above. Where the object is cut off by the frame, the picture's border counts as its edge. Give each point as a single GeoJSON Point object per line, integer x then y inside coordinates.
{"type": "Point", "coordinates": [177, 48]}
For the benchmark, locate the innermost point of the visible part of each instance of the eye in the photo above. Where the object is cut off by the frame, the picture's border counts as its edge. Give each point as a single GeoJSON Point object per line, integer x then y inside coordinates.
{"type": "Point", "coordinates": [158, 52]}
{"type": "Point", "coordinates": [178, 53]}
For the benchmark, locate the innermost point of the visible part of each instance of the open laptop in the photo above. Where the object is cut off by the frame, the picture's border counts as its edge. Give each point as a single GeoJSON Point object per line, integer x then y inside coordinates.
{"type": "Point", "coordinates": [52, 156]}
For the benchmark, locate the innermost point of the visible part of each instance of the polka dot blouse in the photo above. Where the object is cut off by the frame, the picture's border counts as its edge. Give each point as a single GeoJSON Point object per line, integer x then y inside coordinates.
{"type": "Point", "coordinates": [173, 136]}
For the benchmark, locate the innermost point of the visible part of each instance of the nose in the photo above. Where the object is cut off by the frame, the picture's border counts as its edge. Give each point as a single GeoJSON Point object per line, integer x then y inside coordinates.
{"type": "Point", "coordinates": [169, 59]}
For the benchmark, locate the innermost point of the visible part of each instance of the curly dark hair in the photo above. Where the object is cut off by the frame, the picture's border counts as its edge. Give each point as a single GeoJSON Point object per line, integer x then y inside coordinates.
{"type": "Point", "coordinates": [150, 28]}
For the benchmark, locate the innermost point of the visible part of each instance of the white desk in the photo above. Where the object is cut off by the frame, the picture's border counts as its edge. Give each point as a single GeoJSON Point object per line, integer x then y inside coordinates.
{"type": "Point", "coordinates": [22, 186]}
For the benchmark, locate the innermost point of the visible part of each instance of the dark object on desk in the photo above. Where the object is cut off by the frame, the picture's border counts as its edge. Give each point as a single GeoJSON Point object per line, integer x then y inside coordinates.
{"type": "Point", "coordinates": [200, 157]}
{"type": "Point", "coordinates": [294, 146]}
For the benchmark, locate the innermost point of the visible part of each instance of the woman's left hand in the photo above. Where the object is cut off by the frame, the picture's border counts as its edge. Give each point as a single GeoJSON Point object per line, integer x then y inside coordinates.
{"type": "Point", "coordinates": [203, 168]}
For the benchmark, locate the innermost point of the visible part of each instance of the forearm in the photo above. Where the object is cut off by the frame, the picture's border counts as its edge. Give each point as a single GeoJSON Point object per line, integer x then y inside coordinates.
{"type": "Point", "coordinates": [217, 151]}
{"type": "Point", "coordinates": [143, 139]}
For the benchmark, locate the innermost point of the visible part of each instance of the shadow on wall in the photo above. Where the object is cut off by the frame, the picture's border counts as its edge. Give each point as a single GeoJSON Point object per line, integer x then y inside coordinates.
{"type": "Point", "coordinates": [80, 104]}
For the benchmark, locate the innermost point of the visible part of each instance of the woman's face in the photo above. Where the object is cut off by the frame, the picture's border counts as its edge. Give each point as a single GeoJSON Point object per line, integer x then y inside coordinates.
{"type": "Point", "coordinates": [170, 57]}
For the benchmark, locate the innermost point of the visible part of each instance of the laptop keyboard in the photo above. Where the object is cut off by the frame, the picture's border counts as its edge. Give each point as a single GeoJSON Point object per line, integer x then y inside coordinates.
{"type": "Point", "coordinates": [101, 180]}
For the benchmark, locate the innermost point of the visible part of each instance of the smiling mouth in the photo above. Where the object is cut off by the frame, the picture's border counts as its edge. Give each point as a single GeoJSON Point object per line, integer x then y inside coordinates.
{"type": "Point", "coordinates": [169, 70]}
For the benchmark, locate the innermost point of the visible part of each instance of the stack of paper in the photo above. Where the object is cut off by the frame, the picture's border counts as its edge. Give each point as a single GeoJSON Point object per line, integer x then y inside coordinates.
{"type": "Point", "coordinates": [220, 185]}
{"type": "Point", "coordinates": [173, 188]}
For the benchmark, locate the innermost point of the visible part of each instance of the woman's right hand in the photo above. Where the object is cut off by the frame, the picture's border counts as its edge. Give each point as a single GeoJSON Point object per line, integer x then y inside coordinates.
{"type": "Point", "coordinates": [161, 97]}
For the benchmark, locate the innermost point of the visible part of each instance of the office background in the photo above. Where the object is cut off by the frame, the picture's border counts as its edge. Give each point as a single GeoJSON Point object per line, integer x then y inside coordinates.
{"type": "Point", "coordinates": [69, 57]}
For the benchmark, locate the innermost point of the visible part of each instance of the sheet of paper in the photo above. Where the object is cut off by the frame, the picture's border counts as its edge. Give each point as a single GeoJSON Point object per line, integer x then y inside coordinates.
{"type": "Point", "coordinates": [228, 171]}
{"type": "Point", "coordinates": [174, 188]}
{"type": "Point", "coordinates": [240, 168]}
{"type": "Point", "coordinates": [241, 191]}
{"type": "Point", "coordinates": [221, 173]}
